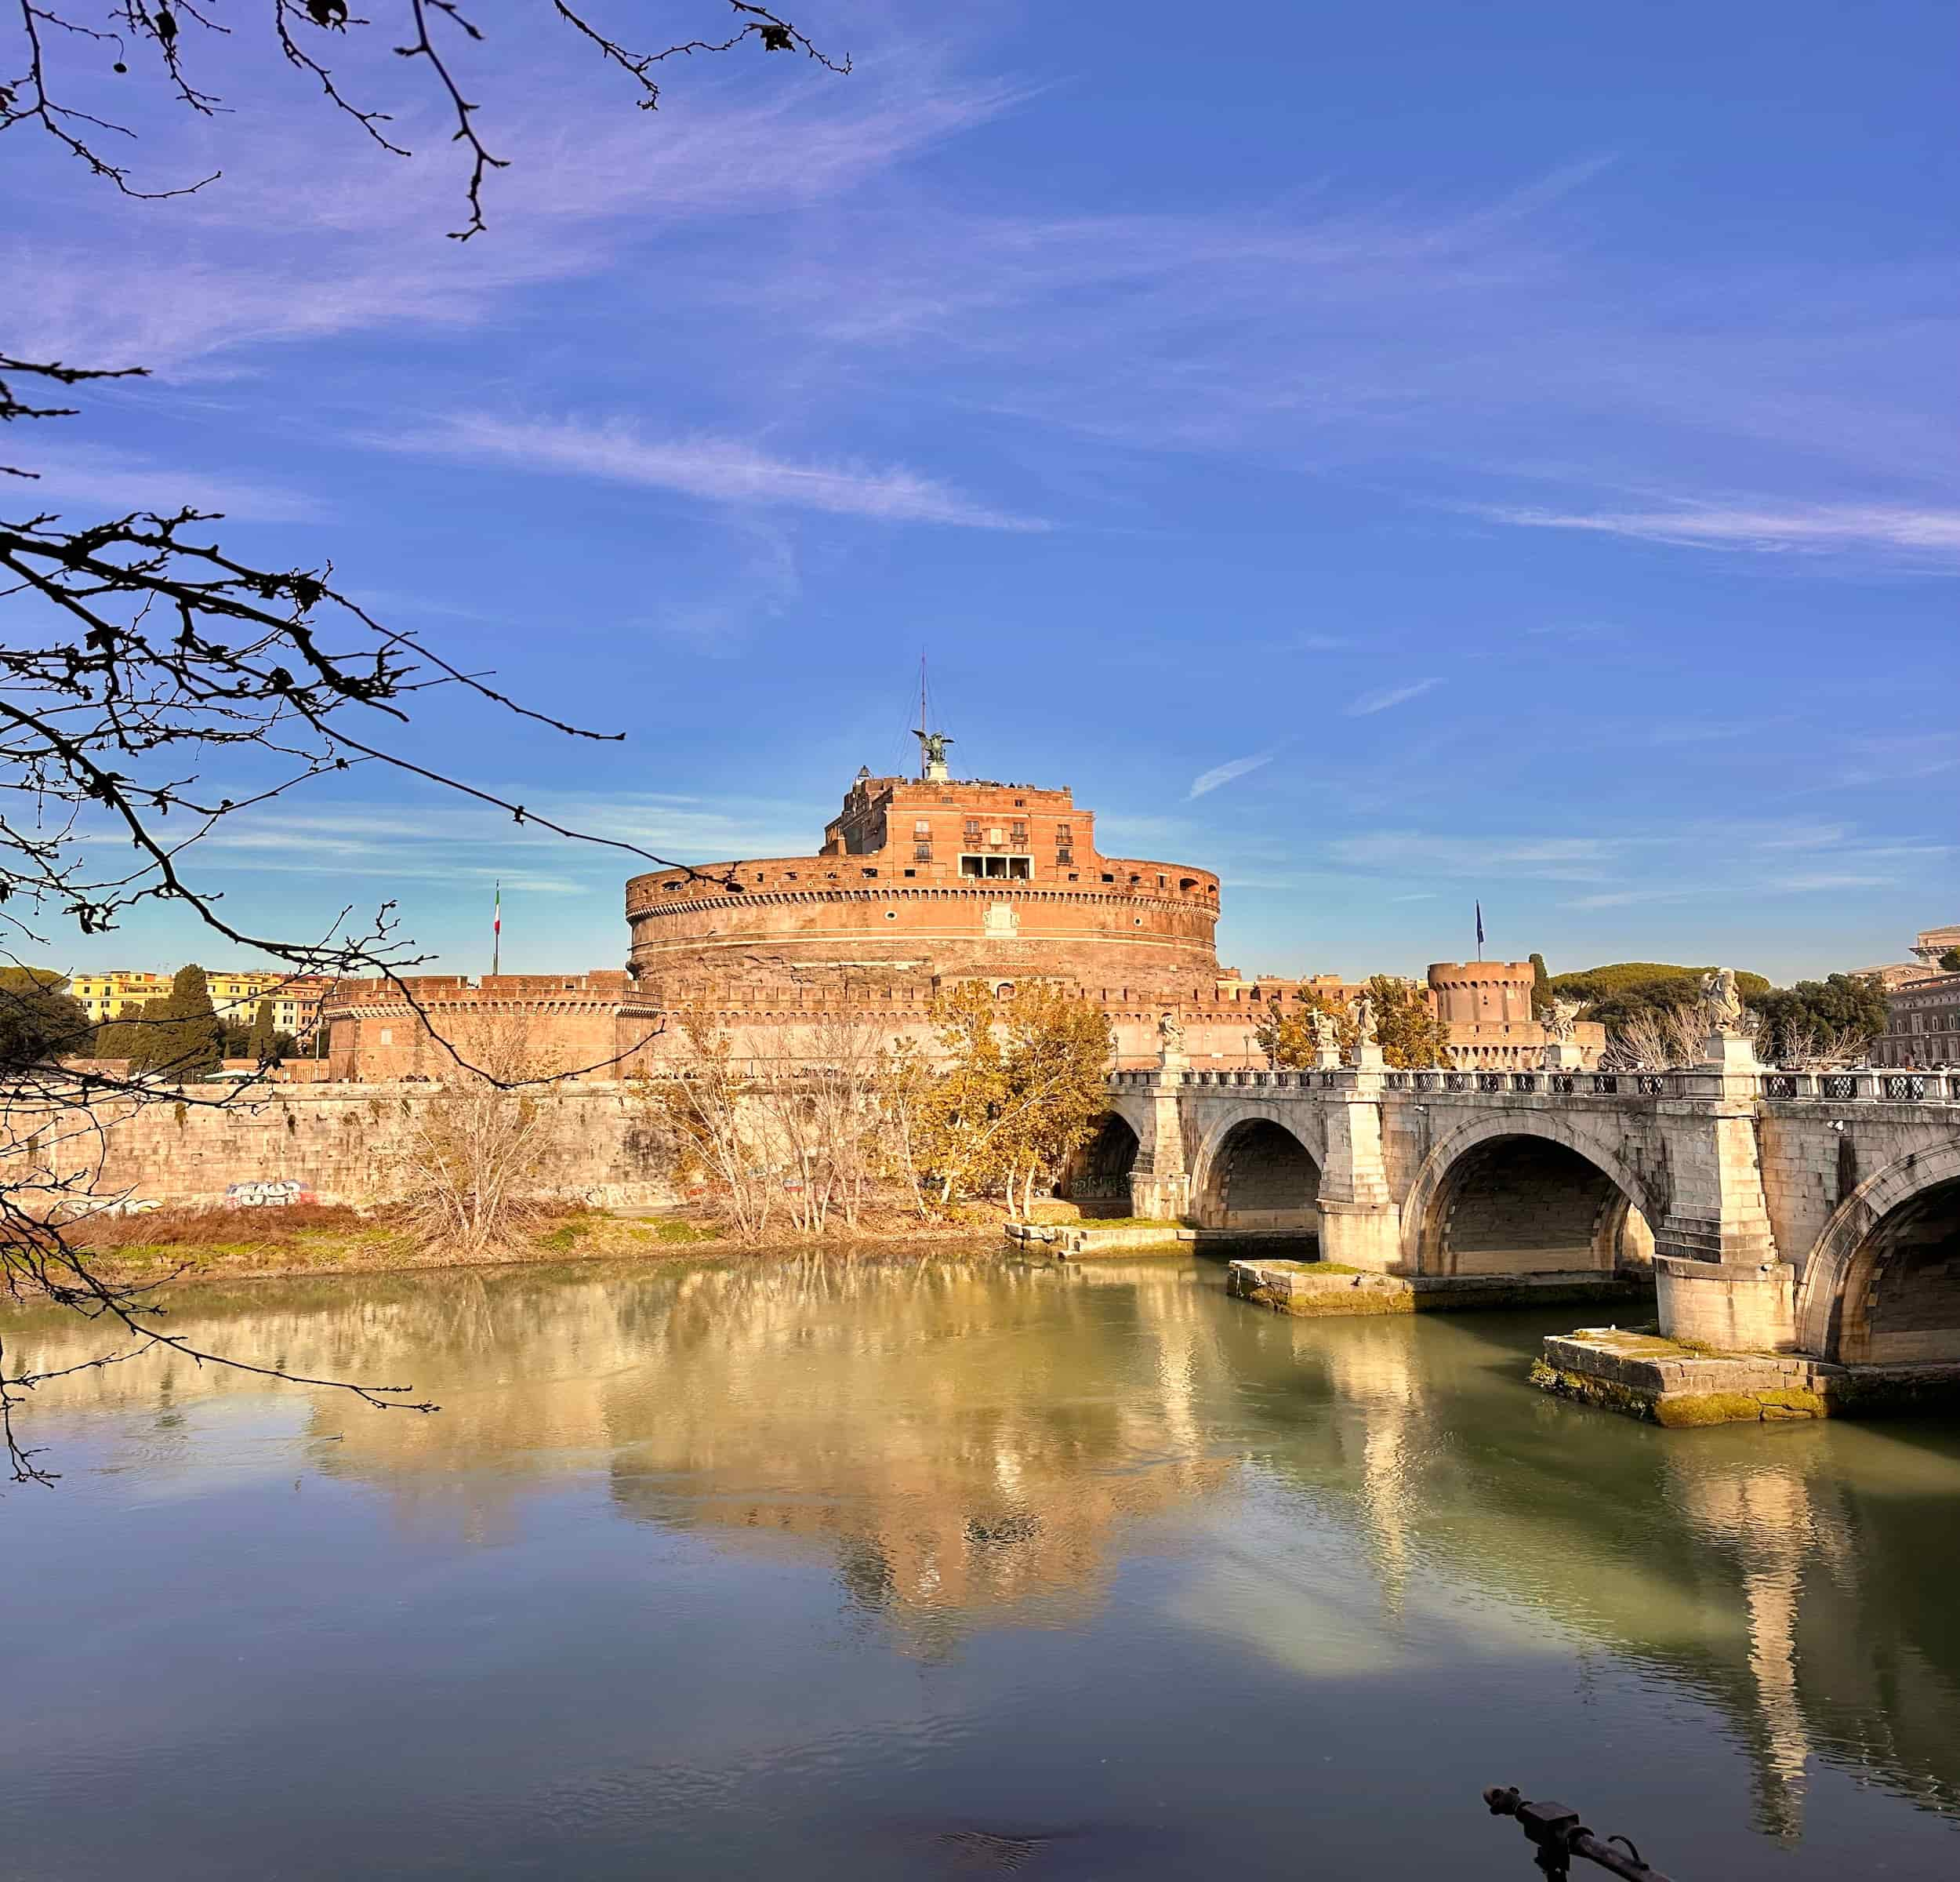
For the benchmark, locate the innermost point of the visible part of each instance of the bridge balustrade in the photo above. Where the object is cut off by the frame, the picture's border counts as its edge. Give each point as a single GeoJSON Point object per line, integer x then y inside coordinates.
{"type": "Point", "coordinates": [1869, 1085]}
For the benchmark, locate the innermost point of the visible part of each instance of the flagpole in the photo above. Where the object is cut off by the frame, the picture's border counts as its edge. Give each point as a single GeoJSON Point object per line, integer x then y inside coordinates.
{"type": "Point", "coordinates": [496, 932]}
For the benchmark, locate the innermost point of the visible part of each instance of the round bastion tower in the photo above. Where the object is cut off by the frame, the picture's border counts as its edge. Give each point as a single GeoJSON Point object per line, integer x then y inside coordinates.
{"type": "Point", "coordinates": [1481, 993]}
{"type": "Point", "coordinates": [929, 878]}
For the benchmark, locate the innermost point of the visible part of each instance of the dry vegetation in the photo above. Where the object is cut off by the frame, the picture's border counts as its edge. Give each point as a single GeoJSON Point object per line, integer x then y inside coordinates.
{"type": "Point", "coordinates": [317, 1238]}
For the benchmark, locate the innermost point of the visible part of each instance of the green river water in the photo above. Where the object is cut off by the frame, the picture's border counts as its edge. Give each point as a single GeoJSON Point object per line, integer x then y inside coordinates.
{"type": "Point", "coordinates": [935, 1568]}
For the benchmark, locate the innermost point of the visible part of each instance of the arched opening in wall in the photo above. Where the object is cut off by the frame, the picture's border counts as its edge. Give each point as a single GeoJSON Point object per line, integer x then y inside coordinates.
{"type": "Point", "coordinates": [1902, 1290]}
{"type": "Point", "coordinates": [1525, 1205]}
{"type": "Point", "coordinates": [1098, 1178]}
{"type": "Point", "coordinates": [1261, 1178]}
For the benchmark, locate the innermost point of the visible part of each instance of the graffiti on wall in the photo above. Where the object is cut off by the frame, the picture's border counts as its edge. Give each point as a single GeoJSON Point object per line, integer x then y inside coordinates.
{"type": "Point", "coordinates": [277, 1194]}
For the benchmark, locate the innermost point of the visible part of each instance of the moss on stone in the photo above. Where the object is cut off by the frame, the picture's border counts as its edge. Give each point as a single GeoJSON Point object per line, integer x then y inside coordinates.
{"type": "Point", "coordinates": [1608, 1394]}
{"type": "Point", "coordinates": [1796, 1399]}
{"type": "Point", "coordinates": [1686, 1410]}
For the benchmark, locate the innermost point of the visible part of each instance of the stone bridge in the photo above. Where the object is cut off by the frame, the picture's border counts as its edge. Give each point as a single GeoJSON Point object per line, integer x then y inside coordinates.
{"type": "Point", "coordinates": [1818, 1213]}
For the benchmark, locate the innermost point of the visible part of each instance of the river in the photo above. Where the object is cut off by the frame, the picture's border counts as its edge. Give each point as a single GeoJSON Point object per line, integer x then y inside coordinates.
{"type": "Point", "coordinates": [930, 1567]}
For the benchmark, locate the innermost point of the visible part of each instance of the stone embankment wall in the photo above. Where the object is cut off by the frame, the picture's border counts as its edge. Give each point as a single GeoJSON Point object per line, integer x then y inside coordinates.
{"type": "Point", "coordinates": [354, 1143]}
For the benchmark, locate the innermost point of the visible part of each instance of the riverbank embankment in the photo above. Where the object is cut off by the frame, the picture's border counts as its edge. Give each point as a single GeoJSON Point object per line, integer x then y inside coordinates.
{"type": "Point", "coordinates": [325, 1239]}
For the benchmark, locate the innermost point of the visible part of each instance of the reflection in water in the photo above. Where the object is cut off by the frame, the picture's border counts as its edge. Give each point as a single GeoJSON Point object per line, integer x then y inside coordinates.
{"type": "Point", "coordinates": [1168, 1486]}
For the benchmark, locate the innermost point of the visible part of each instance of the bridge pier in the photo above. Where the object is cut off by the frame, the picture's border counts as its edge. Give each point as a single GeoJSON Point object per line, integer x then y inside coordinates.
{"type": "Point", "coordinates": [1160, 1181]}
{"type": "Point", "coordinates": [1360, 1224]}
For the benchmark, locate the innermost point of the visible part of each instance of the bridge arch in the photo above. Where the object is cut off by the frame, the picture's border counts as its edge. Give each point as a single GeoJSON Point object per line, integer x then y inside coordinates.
{"type": "Point", "coordinates": [1882, 1285]}
{"type": "Point", "coordinates": [1097, 1177]}
{"type": "Point", "coordinates": [1521, 1193]}
{"type": "Point", "coordinates": [1255, 1171]}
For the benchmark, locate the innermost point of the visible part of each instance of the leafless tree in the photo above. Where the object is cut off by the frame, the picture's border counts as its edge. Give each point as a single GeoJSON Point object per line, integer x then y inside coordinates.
{"type": "Point", "coordinates": [903, 1087]}
{"type": "Point", "coordinates": [1813, 1046]}
{"type": "Point", "coordinates": [708, 1099]}
{"type": "Point", "coordinates": [1656, 1039]}
{"type": "Point", "coordinates": [825, 1115]}
{"type": "Point", "coordinates": [153, 686]}
{"type": "Point", "coordinates": [472, 1187]}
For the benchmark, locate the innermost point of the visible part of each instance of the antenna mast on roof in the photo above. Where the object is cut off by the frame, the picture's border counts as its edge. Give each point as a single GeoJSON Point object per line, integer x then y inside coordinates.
{"type": "Point", "coordinates": [932, 745]}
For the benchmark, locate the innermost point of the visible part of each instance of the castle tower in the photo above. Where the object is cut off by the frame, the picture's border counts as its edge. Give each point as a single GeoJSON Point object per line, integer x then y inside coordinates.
{"type": "Point", "coordinates": [1481, 993]}
{"type": "Point", "coordinates": [931, 878]}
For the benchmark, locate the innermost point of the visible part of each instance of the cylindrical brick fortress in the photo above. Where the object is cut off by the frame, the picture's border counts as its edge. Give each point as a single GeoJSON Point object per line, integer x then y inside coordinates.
{"type": "Point", "coordinates": [1481, 993]}
{"type": "Point", "coordinates": [938, 878]}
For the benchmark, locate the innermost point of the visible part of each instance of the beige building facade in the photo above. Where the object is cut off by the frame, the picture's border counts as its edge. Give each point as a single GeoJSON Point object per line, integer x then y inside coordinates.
{"type": "Point", "coordinates": [1922, 1023]}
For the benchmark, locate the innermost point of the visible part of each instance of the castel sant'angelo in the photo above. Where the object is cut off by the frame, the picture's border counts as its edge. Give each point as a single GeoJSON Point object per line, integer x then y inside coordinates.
{"type": "Point", "coordinates": [919, 883]}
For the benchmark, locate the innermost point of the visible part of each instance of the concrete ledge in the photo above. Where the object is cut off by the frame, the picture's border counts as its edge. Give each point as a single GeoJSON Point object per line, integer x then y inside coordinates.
{"type": "Point", "coordinates": [1311, 1289]}
{"type": "Point", "coordinates": [1643, 1375]}
{"type": "Point", "coordinates": [1084, 1240]}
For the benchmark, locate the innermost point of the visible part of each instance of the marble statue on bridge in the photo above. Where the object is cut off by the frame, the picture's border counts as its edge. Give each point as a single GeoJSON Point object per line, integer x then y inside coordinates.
{"type": "Point", "coordinates": [1722, 1004]}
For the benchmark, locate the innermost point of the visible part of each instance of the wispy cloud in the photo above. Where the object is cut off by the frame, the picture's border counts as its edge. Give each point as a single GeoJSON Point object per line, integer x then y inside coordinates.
{"type": "Point", "coordinates": [1420, 852]}
{"type": "Point", "coordinates": [720, 624]}
{"type": "Point", "coordinates": [1632, 898]}
{"type": "Point", "coordinates": [443, 841]}
{"type": "Point", "coordinates": [1208, 781]}
{"type": "Point", "coordinates": [312, 236]}
{"type": "Point", "coordinates": [716, 470]}
{"type": "Point", "coordinates": [119, 482]}
{"type": "Point", "coordinates": [1322, 643]}
{"type": "Point", "coordinates": [1772, 530]}
{"type": "Point", "coordinates": [1579, 633]}
{"type": "Point", "coordinates": [1822, 882]}
{"type": "Point", "coordinates": [1387, 696]}
{"type": "Point", "coordinates": [1710, 731]}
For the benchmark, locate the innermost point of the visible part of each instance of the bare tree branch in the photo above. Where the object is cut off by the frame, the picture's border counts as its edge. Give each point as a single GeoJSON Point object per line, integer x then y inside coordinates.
{"type": "Point", "coordinates": [155, 676]}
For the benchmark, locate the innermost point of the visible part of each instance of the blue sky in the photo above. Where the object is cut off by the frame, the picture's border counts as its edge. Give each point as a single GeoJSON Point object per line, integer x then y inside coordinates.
{"type": "Point", "coordinates": [1391, 456]}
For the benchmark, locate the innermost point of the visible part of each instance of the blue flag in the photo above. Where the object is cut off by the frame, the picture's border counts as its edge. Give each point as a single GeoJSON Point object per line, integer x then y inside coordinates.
{"type": "Point", "coordinates": [1480, 925]}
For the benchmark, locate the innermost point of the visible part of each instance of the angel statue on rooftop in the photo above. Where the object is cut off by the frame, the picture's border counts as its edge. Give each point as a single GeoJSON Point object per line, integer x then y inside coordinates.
{"type": "Point", "coordinates": [932, 753]}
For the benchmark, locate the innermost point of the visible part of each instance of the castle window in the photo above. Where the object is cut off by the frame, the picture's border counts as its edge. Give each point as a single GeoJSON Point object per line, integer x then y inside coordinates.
{"type": "Point", "coordinates": [890, 914]}
{"type": "Point", "coordinates": [1109, 878]}
{"type": "Point", "coordinates": [922, 829]}
{"type": "Point", "coordinates": [972, 829]}
{"type": "Point", "coordinates": [973, 865]}
{"type": "Point", "coordinates": [922, 852]}
{"type": "Point", "coordinates": [1074, 877]}
{"type": "Point", "coordinates": [871, 872]}
{"type": "Point", "coordinates": [1019, 867]}
{"type": "Point", "coordinates": [912, 872]}
{"type": "Point", "coordinates": [1187, 883]}
{"type": "Point", "coordinates": [1064, 855]}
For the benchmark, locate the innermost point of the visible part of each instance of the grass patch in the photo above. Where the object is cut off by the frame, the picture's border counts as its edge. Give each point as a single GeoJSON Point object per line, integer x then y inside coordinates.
{"type": "Point", "coordinates": [1115, 1222]}
{"type": "Point", "coordinates": [673, 1231]}
{"type": "Point", "coordinates": [331, 1238]}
